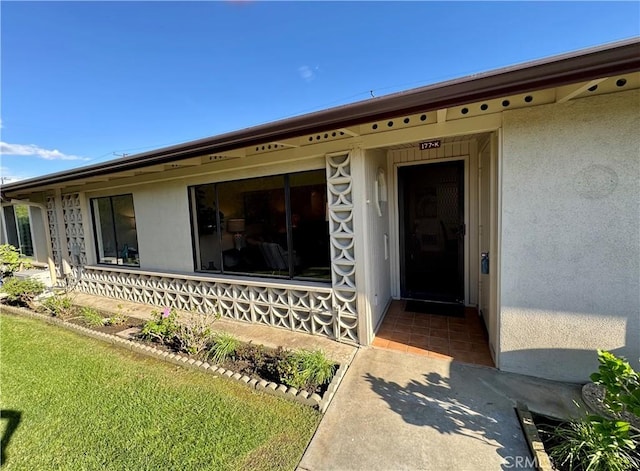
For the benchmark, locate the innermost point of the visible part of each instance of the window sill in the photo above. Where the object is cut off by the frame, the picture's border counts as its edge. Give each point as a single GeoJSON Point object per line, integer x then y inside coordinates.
{"type": "Point", "coordinates": [218, 278]}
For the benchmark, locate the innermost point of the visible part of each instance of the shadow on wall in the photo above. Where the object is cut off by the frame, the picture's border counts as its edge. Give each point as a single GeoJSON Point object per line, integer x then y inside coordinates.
{"type": "Point", "coordinates": [557, 364]}
{"type": "Point", "coordinates": [13, 418]}
{"type": "Point", "coordinates": [562, 345]}
{"type": "Point", "coordinates": [454, 405]}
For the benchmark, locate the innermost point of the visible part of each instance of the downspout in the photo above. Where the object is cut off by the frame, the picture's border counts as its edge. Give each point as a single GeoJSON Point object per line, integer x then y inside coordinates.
{"type": "Point", "coordinates": [47, 235]}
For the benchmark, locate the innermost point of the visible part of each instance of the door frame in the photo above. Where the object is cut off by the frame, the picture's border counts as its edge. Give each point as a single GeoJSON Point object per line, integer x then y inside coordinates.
{"type": "Point", "coordinates": [395, 219]}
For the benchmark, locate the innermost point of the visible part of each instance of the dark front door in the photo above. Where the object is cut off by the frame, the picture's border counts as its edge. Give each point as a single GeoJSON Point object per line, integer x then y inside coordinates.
{"type": "Point", "coordinates": [432, 231]}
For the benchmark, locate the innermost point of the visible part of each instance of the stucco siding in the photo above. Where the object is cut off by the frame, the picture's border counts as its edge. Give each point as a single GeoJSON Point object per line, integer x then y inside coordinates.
{"type": "Point", "coordinates": [164, 226]}
{"type": "Point", "coordinates": [570, 267]}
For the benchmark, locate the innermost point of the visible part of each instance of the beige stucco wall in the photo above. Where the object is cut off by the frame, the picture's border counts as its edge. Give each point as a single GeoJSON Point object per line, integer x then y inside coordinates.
{"type": "Point", "coordinates": [164, 226]}
{"type": "Point", "coordinates": [570, 267]}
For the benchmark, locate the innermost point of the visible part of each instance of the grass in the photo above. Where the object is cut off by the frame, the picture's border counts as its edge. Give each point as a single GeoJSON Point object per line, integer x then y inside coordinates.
{"type": "Point", "coordinates": [88, 405]}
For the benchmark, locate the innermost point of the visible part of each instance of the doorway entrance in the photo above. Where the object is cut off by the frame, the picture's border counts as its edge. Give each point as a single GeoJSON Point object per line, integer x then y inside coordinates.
{"type": "Point", "coordinates": [432, 231]}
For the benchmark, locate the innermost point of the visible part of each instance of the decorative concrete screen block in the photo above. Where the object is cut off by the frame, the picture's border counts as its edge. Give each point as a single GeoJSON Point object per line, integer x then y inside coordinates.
{"type": "Point", "coordinates": [53, 230]}
{"type": "Point", "coordinates": [74, 230]}
{"type": "Point", "coordinates": [343, 265]}
{"type": "Point", "coordinates": [320, 310]}
{"type": "Point", "coordinates": [310, 310]}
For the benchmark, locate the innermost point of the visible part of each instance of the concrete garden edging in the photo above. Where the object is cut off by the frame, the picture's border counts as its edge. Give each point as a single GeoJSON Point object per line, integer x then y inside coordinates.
{"type": "Point", "coordinates": [288, 392]}
{"type": "Point", "coordinates": [530, 431]}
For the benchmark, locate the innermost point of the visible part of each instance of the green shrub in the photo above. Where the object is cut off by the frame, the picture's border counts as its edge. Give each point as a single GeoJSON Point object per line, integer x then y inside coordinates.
{"type": "Point", "coordinates": [254, 354]}
{"type": "Point", "coordinates": [194, 335]}
{"type": "Point", "coordinates": [11, 260]}
{"type": "Point", "coordinates": [59, 306]}
{"type": "Point", "coordinates": [306, 369]}
{"type": "Point", "coordinates": [224, 346]}
{"type": "Point", "coordinates": [621, 383]}
{"type": "Point", "coordinates": [91, 316]}
{"type": "Point", "coordinates": [594, 444]}
{"type": "Point", "coordinates": [162, 328]}
{"type": "Point", "coordinates": [22, 291]}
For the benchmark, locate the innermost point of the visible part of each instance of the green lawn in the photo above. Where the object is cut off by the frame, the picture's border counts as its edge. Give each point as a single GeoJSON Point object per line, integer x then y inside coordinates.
{"type": "Point", "coordinates": [87, 405]}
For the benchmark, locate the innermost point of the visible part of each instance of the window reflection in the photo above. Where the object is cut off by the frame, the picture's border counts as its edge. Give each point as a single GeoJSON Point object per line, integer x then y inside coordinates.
{"type": "Point", "coordinates": [115, 228]}
{"type": "Point", "coordinates": [260, 220]}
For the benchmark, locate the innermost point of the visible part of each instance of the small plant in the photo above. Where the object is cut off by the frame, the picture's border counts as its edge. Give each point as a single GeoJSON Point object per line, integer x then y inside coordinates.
{"type": "Point", "coordinates": [119, 318]}
{"type": "Point", "coordinates": [116, 319]}
{"type": "Point", "coordinates": [59, 306]}
{"type": "Point", "coordinates": [306, 369]}
{"type": "Point", "coordinates": [163, 328]}
{"type": "Point", "coordinates": [11, 260]}
{"type": "Point", "coordinates": [194, 335]}
{"type": "Point", "coordinates": [224, 346]}
{"type": "Point", "coordinates": [594, 444]}
{"type": "Point", "coordinates": [22, 291]}
{"type": "Point", "coordinates": [621, 383]}
{"type": "Point", "coordinates": [91, 316]}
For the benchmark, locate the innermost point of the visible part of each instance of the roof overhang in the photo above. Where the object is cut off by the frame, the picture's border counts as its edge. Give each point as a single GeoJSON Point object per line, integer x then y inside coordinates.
{"type": "Point", "coordinates": [580, 66]}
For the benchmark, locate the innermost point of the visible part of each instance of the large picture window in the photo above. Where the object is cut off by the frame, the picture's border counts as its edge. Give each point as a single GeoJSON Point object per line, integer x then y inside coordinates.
{"type": "Point", "coordinates": [115, 229]}
{"type": "Point", "coordinates": [271, 226]}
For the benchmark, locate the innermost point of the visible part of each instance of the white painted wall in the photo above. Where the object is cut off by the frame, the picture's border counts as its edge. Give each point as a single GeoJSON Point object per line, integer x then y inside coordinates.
{"type": "Point", "coordinates": [378, 268]}
{"type": "Point", "coordinates": [570, 266]}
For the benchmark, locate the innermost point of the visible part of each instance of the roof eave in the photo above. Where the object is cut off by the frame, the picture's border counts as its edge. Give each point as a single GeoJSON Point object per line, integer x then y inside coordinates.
{"type": "Point", "coordinates": [616, 58]}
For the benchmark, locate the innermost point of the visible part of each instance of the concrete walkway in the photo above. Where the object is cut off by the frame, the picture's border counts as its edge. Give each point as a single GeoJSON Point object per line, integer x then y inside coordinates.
{"type": "Point", "coordinates": [398, 411]}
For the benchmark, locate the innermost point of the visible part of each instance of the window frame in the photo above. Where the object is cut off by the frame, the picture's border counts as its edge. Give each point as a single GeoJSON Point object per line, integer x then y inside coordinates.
{"type": "Point", "coordinates": [13, 232]}
{"type": "Point", "coordinates": [291, 276]}
{"type": "Point", "coordinates": [113, 227]}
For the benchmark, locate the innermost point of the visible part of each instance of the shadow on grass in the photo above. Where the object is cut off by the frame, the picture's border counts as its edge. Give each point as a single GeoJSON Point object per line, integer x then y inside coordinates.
{"type": "Point", "coordinates": [13, 420]}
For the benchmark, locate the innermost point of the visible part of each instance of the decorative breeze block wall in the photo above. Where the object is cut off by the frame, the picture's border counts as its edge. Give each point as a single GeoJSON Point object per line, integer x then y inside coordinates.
{"type": "Point", "coordinates": [53, 231]}
{"type": "Point", "coordinates": [342, 239]}
{"type": "Point", "coordinates": [308, 310]}
{"type": "Point", "coordinates": [74, 230]}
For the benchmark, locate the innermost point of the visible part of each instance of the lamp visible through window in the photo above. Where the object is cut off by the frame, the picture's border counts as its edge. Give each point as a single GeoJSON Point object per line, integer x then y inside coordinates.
{"type": "Point", "coordinates": [236, 227]}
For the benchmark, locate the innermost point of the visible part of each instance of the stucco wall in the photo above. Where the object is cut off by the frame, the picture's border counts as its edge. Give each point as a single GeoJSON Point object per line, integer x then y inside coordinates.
{"type": "Point", "coordinates": [164, 227]}
{"type": "Point", "coordinates": [570, 269]}
{"type": "Point", "coordinates": [378, 266]}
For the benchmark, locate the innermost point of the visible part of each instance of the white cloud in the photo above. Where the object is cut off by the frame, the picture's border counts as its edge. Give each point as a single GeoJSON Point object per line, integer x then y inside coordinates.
{"type": "Point", "coordinates": [307, 73]}
{"type": "Point", "coordinates": [30, 149]}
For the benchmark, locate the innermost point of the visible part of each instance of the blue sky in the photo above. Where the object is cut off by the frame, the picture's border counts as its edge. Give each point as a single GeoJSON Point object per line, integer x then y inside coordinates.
{"type": "Point", "coordinates": [82, 81]}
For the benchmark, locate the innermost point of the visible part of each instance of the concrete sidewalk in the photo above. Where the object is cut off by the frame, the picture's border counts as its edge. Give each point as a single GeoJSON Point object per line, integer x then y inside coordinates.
{"type": "Point", "coordinates": [397, 411]}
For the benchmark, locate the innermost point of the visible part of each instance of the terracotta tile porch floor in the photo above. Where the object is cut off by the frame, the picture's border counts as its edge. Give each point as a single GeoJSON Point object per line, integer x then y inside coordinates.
{"type": "Point", "coordinates": [435, 336]}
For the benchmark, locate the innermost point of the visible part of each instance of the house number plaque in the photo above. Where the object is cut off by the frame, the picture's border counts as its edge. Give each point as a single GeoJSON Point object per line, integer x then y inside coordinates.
{"type": "Point", "coordinates": [430, 145]}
